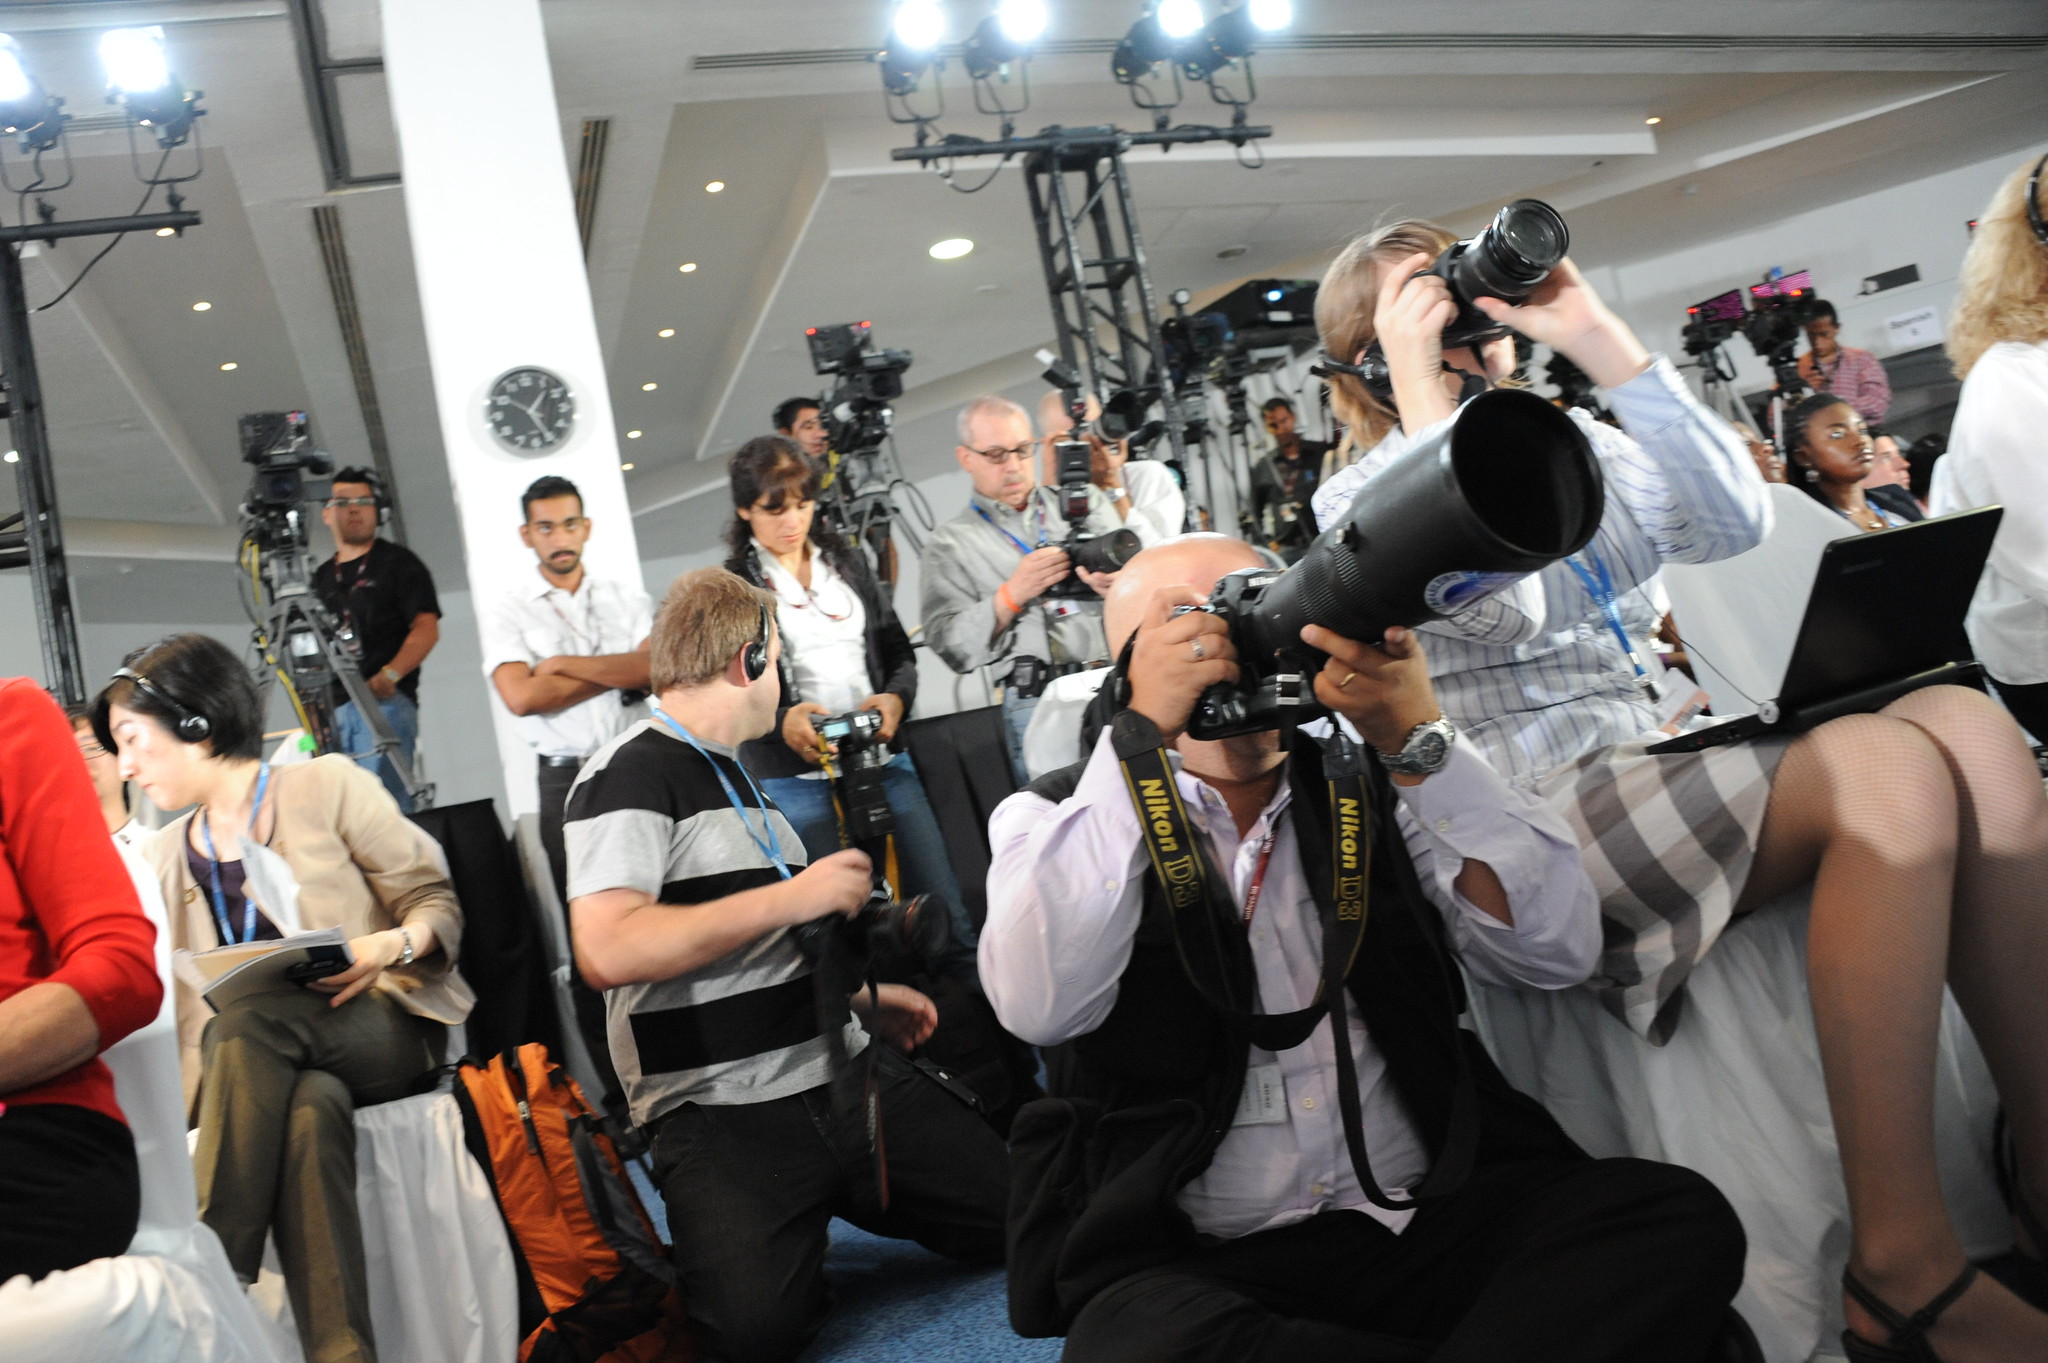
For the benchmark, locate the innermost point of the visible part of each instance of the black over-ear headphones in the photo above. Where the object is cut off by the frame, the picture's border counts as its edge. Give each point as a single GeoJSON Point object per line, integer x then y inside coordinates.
{"type": "Point", "coordinates": [754, 658]}
{"type": "Point", "coordinates": [191, 726]}
{"type": "Point", "coordinates": [2034, 219]}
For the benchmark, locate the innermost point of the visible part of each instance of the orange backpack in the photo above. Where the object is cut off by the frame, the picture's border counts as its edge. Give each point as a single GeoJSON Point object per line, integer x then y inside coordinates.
{"type": "Point", "coordinates": [594, 1284]}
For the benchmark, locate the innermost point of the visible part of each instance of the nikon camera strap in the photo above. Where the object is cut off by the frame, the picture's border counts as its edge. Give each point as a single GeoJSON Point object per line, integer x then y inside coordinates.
{"type": "Point", "coordinates": [1200, 910]}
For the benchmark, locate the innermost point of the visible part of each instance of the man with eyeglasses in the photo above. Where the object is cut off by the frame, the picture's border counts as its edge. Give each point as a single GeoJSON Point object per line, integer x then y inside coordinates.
{"type": "Point", "coordinates": [986, 572]}
{"type": "Point", "coordinates": [567, 653]}
{"type": "Point", "coordinates": [384, 593]}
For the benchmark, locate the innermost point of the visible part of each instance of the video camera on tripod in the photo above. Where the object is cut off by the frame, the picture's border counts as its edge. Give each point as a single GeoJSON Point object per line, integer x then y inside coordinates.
{"type": "Point", "coordinates": [1778, 312]}
{"type": "Point", "coordinates": [861, 475]}
{"type": "Point", "coordinates": [300, 641]}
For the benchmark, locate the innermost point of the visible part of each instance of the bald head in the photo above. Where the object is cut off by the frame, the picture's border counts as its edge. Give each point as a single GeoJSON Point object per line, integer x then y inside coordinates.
{"type": "Point", "coordinates": [1191, 561]}
{"type": "Point", "coordinates": [1053, 418]}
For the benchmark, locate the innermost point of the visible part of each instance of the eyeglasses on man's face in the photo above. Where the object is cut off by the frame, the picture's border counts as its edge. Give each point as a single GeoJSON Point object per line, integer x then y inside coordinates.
{"type": "Point", "coordinates": [568, 526]}
{"type": "Point", "coordinates": [1014, 454]}
{"type": "Point", "coordinates": [341, 503]}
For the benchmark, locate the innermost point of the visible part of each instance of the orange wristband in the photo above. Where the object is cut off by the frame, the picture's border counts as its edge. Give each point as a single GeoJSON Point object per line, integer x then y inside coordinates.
{"type": "Point", "coordinates": [1006, 601]}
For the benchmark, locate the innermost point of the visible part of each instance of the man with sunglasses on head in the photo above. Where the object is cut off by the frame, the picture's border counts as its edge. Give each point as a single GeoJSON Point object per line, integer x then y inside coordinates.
{"type": "Point", "coordinates": [384, 593]}
{"type": "Point", "coordinates": [987, 572]}
{"type": "Point", "coordinates": [567, 653]}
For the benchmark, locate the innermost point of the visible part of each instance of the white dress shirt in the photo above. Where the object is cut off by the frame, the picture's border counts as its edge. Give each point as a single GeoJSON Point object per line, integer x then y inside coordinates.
{"type": "Point", "coordinates": [824, 633]}
{"type": "Point", "coordinates": [1158, 509]}
{"type": "Point", "coordinates": [538, 620]}
{"type": "Point", "coordinates": [1995, 454]}
{"type": "Point", "coordinates": [1065, 890]}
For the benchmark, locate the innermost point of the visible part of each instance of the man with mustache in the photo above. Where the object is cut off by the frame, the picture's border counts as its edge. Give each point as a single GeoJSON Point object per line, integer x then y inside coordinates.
{"type": "Point", "coordinates": [565, 649]}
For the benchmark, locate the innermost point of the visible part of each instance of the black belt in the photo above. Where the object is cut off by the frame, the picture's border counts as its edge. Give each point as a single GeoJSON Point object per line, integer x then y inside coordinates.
{"type": "Point", "coordinates": [572, 762]}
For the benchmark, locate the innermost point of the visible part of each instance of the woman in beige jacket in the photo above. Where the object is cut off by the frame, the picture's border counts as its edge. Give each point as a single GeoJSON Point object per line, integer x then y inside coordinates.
{"type": "Point", "coordinates": [278, 1075]}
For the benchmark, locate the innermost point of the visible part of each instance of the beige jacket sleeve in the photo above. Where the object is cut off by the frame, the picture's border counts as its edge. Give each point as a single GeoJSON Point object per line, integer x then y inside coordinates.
{"type": "Point", "coordinates": [403, 867]}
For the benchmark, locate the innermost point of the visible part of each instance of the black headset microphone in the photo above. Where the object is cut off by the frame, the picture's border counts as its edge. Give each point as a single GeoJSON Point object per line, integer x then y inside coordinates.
{"type": "Point", "coordinates": [190, 725]}
{"type": "Point", "coordinates": [754, 657]}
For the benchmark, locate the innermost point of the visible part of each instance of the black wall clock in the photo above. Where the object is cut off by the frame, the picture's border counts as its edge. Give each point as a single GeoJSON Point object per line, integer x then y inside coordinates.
{"type": "Point", "coordinates": [530, 411]}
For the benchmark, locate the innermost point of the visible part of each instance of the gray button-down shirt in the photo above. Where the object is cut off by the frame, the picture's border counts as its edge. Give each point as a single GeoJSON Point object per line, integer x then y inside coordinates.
{"type": "Point", "coordinates": [969, 557]}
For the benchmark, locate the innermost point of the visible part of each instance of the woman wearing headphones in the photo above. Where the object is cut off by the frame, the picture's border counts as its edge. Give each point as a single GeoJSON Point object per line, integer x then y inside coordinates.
{"type": "Point", "coordinates": [1998, 342]}
{"type": "Point", "coordinates": [1923, 828]}
{"type": "Point", "coordinates": [842, 650]}
{"type": "Point", "coordinates": [264, 852]}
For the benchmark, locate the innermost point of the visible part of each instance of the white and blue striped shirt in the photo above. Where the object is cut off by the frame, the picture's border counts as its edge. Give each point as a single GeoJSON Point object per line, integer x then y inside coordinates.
{"type": "Point", "coordinates": [1535, 678]}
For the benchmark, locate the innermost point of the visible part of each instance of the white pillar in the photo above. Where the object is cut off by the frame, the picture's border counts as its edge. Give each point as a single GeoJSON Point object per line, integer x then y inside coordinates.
{"type": "Point", "coordinates": [502, 285]}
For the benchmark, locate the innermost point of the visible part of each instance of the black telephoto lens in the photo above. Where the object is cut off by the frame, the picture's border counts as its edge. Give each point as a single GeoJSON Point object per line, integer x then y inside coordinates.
{"type": "Point", "coordinates": [1105, 553]}
{"type": "Point", "coordinates": [1508, 488]}
{"type": "Point", "coordinates": [1515, 253]}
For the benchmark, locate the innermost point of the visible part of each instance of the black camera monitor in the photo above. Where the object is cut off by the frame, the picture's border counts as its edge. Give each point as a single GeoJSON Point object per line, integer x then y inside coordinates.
{"type": "Point", "coordinates": [835, 348]}
{"type": "Point", "coordinates": [1722, 307]}
{"type": "Point", "coordinates": [1785, 289]}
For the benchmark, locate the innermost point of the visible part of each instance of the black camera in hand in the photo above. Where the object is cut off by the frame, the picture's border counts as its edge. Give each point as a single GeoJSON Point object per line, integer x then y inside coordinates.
{"type": "Point", "coordinates": [1506, 489]}
{"type": "Point", "coordinates": [1509, 260]}
{"type": "Point", "coordinates": [857, 774]}
{"type": "Point", "coordinates": [1074, 471]}
{"type": "Point", "coordinates": [885, 937]}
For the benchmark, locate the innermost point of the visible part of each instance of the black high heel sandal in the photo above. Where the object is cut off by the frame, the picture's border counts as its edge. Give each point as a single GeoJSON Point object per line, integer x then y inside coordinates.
{"type": "Point", "coordinates": [2024, 1275]}
{"type": "Point", "coordinates": [1908, 1342]}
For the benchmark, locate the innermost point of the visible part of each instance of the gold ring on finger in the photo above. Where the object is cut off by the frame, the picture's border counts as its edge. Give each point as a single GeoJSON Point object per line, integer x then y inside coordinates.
{"type": "Point", "coordinates": [1347, 680]}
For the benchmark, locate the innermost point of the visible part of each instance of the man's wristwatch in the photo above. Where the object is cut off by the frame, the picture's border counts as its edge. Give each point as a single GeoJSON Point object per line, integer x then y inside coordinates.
{"type": "Point", "coordinates": [393, 676]}
{"type": "Point", "coordinates": [1427, 749]}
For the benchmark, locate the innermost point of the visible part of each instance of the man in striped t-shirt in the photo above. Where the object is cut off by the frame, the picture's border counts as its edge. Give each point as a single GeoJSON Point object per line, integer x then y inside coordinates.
{"type": "Point", "coordinates": [684, 884]}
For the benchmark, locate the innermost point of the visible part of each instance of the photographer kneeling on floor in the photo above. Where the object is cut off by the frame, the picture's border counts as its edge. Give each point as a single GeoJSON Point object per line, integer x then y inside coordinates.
{"type": "Point", "coordinates": [688, 895]}
{"type": "Point", "coordinates": [1237, 1166]}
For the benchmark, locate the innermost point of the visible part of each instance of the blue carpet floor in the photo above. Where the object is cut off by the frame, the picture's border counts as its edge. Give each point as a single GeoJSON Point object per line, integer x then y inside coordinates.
{"type": "Point", "coordinates": [894, 1301]}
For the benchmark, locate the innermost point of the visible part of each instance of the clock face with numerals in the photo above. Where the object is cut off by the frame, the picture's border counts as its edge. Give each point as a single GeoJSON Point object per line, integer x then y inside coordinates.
{"type": "Point", "coordinates": [530, 411]}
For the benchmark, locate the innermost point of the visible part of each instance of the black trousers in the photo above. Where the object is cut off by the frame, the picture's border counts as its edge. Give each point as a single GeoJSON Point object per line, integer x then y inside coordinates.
{"type": "Point", "coordinates": [2029, 705]}
{"type": "Point", "coordinates": [750, 1190]}
{"type": "Point", "coordinates": [69, 1188]}
{"type": "Point", "coordinates": [589, 1003]}
{"type": "Point", "coordinates": [1566, 1260]}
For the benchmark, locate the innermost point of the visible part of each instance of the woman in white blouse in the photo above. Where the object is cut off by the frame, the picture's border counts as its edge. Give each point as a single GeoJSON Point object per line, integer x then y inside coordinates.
{"type": "Point", "coordinates": [1998, 343]}
{"type": "Point", "coordinates": [843, 650]}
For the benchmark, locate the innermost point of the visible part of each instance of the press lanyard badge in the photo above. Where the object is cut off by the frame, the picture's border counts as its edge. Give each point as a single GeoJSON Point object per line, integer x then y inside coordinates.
{"type": "Point", "coordinates": [1599, 585]}
{"type": "Point", "coordinates": [1053, 607]}
{"type": "Point", "coordinates": [1263, 1100]}
{"type": "Point", "coordinates": [220, 897]}
{"type": "Point", "coordinates": [771, 848]}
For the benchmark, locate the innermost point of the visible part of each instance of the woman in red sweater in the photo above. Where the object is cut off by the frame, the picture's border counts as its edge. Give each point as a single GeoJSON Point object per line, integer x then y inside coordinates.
{"type": "Point", "coordinates": [77, 973]}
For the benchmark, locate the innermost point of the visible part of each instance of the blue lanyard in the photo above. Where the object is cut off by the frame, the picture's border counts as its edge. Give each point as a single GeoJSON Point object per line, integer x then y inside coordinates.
{"type": "Point", "coordinates": [1599, 584]}
{"type": "Point", "coordinates": [220, 897]}
{"type": "Point", "coordinates": [772, 848]}
{"type": "Point", "coordinates": [1022, 547]}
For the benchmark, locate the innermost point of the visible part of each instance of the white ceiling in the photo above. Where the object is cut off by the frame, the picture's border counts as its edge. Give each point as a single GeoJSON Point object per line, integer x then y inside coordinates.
{"type": "Point", "coordinates": [1768, 107]}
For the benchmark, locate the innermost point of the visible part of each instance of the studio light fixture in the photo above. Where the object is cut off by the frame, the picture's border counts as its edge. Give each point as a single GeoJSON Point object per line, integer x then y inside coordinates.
{"type": "Point", "coordinates": [26, 110]}
{"type": "Point", "coordinates": [1232, 36]}
{"type": "Point", "coordinates": [915, 32]}
{"type": "Point", "coordinates": [1022, 21]}
{"type": "Point", "coordinates": [140, 81]}
{"type": "Point", "coordinates": [1179, 18]}
{"type": "Point", "coordinates": [1004, 37]}
{"type": "Point", "coordinates": [952, 248]}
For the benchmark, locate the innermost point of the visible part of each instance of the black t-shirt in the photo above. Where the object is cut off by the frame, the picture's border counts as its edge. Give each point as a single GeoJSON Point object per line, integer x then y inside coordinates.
{"type": "Point", "coordinates": [379, 595]}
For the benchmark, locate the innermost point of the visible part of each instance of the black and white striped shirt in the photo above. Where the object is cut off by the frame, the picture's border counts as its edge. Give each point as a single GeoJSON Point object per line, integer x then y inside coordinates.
{"type": "Point", "coordinates": [648, 813]}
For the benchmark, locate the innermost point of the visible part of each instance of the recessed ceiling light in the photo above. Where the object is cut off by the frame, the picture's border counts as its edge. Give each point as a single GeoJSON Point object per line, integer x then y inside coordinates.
{"type": "Point", "coordinates": [688, 267]}
{"type": "Point", "coordinates": [632, 435]}
{"type": "Point", "coordinates": [12, 456]}
{"type": "Point", "coordinates": [627, 467]}
{"type": "Point", "coordinates": [666, 332]}
{"type": "Point", "coordinates": [167, 231]}
{"type": "Point", "coordinates": [649, 387]}
{"type": "Point", "coordinates": [202, 306]}
{"type": "Point", "coordinates": [1653, 120]}
{"type": "Point", "coordinates": [715, 187]}
{"type": "Point", "coordinates": [952, 248]}
{"type": "Point", "coordinates": [229, 365]}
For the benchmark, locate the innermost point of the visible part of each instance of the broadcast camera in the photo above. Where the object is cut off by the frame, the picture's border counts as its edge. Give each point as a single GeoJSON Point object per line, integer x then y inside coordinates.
{"type": "Point", "coordinates": [856, 412]}
{"type": "Point", "coordinates": [1779, 310]}
{"type": "Point", "coordinates": [1506, 489]}
{"type": "Point", "coordinates": [280, 447]}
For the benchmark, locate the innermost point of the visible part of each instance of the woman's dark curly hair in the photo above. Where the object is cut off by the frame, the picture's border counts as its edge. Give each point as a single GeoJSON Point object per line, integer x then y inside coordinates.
{"type": "Point", "coordinates": [774, 470]}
